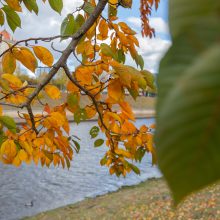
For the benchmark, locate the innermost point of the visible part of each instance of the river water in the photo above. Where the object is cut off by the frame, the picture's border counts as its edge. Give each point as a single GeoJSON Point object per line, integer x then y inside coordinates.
{"type": "Point", "coordinates": [54, 187]}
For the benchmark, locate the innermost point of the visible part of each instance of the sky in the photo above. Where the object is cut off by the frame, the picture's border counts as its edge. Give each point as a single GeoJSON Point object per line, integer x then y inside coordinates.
{"type": "Point", "coordinates": [48, 22]}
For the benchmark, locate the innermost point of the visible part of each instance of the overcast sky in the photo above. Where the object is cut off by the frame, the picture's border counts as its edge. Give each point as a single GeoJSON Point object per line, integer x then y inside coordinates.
{"type": "Point", "coordinates": [48, 22]}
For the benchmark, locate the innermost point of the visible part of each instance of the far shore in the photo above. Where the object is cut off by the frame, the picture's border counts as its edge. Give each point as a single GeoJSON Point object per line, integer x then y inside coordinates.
{"type": "Point", "coordinates": [148, 200]}
{"type": "Point", "coordinates": [138, 115]}
{"type": "Point", "coordinates": [143, 107]}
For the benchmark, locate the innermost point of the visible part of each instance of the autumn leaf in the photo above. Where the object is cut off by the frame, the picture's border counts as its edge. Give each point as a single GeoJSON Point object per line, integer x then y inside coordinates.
{"type": "Point", "coordinates": [14, 80]}
{"type": "Point", "coordinates": [14, 4]}
{"type": "Point", "coordinates": [103, 29]}
{"type": "Point", "coordinates": [8, 63]}
{"type": "Point", "coordinates": [44, 55]}
{"type": "Point", "coordinates": [52, 91]}
{"type": "Point", "coordinates": [26, 57]}
{"type": "Point", "coordinates": [115, 91]}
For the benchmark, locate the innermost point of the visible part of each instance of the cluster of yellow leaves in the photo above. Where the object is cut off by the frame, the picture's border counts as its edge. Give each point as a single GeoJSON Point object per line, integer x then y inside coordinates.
{"type": "Point", "coordinates": [51, 145]}
{"type": "Point", "coordinates": [136, 142]}
{"type": "Point", "coordinates": [25, 56]}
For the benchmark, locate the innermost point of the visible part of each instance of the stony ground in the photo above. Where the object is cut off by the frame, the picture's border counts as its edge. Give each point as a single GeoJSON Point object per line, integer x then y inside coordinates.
{"type": "Point", "coordinates": [148, 200]}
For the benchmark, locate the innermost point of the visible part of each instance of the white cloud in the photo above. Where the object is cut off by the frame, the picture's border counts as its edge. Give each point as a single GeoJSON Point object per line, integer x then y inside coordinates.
{"type": "Point", "coordinates": [152, 50]}
{"type": "Point", "coordinates": [158, 23]}
{"type": "Point", "coordinates": [48, 22]}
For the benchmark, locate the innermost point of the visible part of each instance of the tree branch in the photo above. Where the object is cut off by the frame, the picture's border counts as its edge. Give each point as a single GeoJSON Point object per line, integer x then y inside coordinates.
{"type": "Point", "coordinates": [70, 48]}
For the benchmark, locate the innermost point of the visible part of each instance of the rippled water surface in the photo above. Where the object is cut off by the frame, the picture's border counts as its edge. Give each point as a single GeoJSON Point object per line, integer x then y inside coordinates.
{"type": "Point", "coordinates": [54, 187]}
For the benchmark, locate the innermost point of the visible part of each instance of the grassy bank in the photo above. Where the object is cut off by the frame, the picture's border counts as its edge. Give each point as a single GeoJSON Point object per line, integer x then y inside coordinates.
{"type": "Point", "coordinates": [148, 200]}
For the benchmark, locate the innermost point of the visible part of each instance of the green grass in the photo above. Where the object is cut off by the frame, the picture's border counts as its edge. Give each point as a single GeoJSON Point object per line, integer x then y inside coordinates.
{"type": "Point", "coordinates": [148, 200]}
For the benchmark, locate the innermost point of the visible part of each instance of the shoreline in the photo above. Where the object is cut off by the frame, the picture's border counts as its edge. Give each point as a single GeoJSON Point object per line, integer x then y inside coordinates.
{"type": "Point", "coordinates": [139, 114]}
{"type": "Point", "coordinates": [148, 200]}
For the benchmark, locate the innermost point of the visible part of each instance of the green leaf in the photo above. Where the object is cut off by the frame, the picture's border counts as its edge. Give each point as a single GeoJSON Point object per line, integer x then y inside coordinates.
{"type": "Point", "coordinates": [94, 132]}
{"type": "Point", "coordinates": [88, 7]}
{"type": "Point", "coordinates": [112, 11]}
{"type": "Point", "coordinates": [12, 18]}
{"type": "Point", "coordinates": [56, 5]}
{"type": "Point", "coordinates": [139, 154]}
{"type": "Point", "coordinates": [80, 20]}
{"type": "Point", "coordinates": [134, 93]}
{"type": "Point", "coordinates": [149, 77]}
{"type": "Point", "coordinates": [72, 100]}
{"type": "Point", "coordinates": [79, 115]}
{"type": "Point", "coordinates": [31, 5]}
{"type": "Point", "coordinates": [2, 17]}
{"type": "Point", "coordinates": [134, 168]}
{"type": "Point", "coordinates": [68, 26]}
{"type": "Point", "coordinates": [103, 161]}
{"type": "Point", "coordinates": [98, 142]}
{"type": "Point", "coordinates": [121, 56]}
{"type": "Point", "coordinates": [9, 123]}
{"type": "Point", "coordinates": [139, 61]}
{"type": "Point", "coordinates": [107, 51]}
{"type": "Point", "coordinates": [188, 120]}
{"type": "Point", "coordinates": [77, 146]}
{"type": "Point", "coordinates": [67, 162]}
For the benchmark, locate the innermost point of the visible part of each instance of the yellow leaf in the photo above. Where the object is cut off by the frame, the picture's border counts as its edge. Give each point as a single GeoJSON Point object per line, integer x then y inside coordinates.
{"type": "Point", "coordinates": [27, 147]}
{"type": "Point", "coordinates": [128, 74]}
{"type": "Point", "coordinates": [26, 57]}
{"type": "Point", "coordinates": [126, 109]}
{"type": "Point", "coordinates": [103, 29]}
{"type": "Point", "coordinates": [56, 119]}
{"type": "Point", "coordinates": [8, 63]}
{"type": "Point", "coordinates": [12, 79]}
{"type": "Point", "coordinates": [126, 29]}
{"type": "Point", "coordinates": [22, 155]}
{"type": "Point", "coordinates": [44, 55]}
{"type": "Point", "coordinates": [16, 161]}
{"type": "Point", "coordinates": [115, 90]}
{"type": "Point", "coordinates": [143, 129]}
{"type": "Point", "coordinates": [114, 115]}
{"type": "Point", "coordinates": [14, 4]}
{"type": "Point", "coordinates": [52, 91]}
{"type": "Point", "coordinates": [84, 75]}
{"type": "Point", "coordinates": [90, 111]}
{"type": "Point", "coordinates": [128, 128]}
{"type": "Point", "coordinates": [123, 153]}
{"type": "Point", "coordinates": [9, 149]}
{"type": "Point", "coordinates": [113, 3]}
{"type": "Point", "coordinates": [71, 87]}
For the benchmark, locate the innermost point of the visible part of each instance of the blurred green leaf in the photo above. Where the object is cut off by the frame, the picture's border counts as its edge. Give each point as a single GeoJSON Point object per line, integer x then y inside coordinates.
{"type": "Point", "coordinates": [188, 119]}
{"type": "Point", "coordinates": [98, 142]}
{"type": "Point", "coordinates": [56, 5]}
{"type": "Point", "coordinates": [94, 132]}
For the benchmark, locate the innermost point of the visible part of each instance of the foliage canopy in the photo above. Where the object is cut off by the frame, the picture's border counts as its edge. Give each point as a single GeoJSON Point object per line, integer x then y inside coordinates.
{"type": "Point", "coordinates": [100, 45]}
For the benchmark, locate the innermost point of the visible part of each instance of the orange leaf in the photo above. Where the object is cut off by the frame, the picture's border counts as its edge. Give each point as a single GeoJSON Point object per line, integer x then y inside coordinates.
{"type": "Point", "coordinates": [115, 90]}
{"type": "Point", "coordinates": [44, 55]}
{"type": "Point", "coordinates": [52, 91]}
{"type": "Point", "coordinates": [26, 57]}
